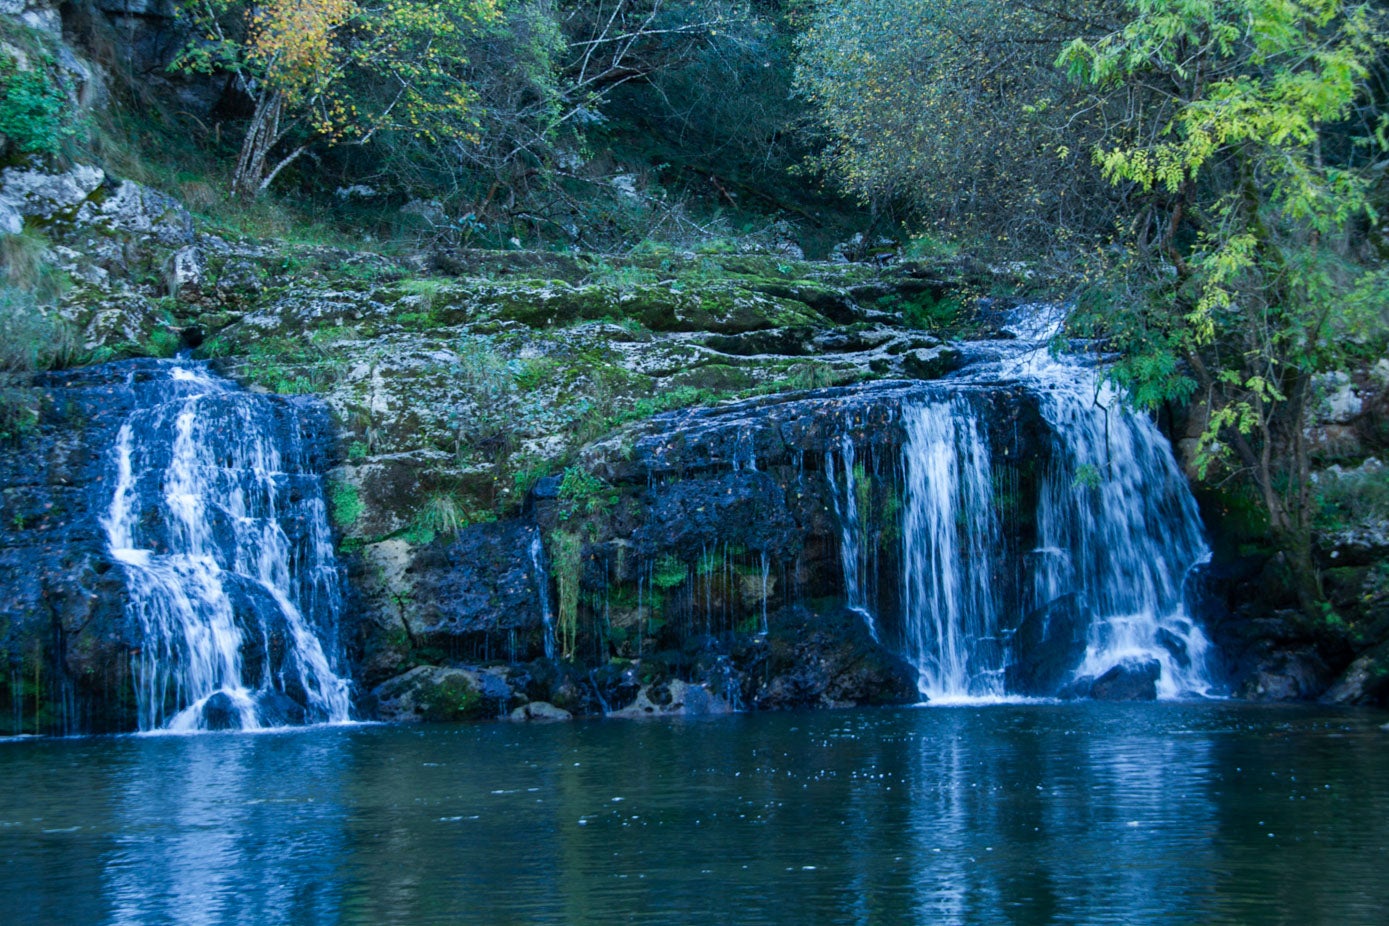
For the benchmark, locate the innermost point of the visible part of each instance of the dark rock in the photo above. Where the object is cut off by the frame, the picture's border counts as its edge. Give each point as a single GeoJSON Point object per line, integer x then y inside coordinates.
{"type": "Point", "coordinates": [482, 583]}
{"type": "Point", "coordinates": [221, 713]}
{"type": "Point", "coordinates": [1365, 681]}
{"type": "Point", "coordinates": [827, 661]}
{"type": "Point", "coordinates": [1047, 647]}
{"type": "Point", "coordinates": [932, 363]}
{"type": "Point", "coordinates": [277, 709]}
{"type": "Point", "coordinates": [1128, 681]}
{"type": "Point", "coordinates": [1288, 675]}
{"type": "Point", "coordinates": [1174, 645]}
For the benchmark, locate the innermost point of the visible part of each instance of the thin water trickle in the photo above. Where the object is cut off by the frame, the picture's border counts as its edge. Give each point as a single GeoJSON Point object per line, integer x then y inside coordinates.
{"type": "Point", "coordinates": [542, 583]}
{"type": "Point", "coordinates": [228, 562]}
{"type": "Point", "coordinates": [853, 548]}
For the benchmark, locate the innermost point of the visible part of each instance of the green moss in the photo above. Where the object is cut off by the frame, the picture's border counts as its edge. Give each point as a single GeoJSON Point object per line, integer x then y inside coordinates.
{"type": "Point", "coordinates": [344, 504]}
{"type": "Point", "coordinates": [669, 572]}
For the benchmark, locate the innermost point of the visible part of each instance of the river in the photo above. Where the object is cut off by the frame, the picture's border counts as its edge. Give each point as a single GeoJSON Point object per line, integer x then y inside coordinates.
{"type": "Point", "coordinates": [1017, 813]}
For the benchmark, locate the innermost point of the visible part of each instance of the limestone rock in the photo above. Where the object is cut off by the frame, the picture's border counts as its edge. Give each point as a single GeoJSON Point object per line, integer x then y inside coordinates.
{"type": "Point", "coordinates": [674, 699]}
{"type": "Point", "coordinates": [26, 193]}
{"type": "Point", "coordinates": [141, 210]}
{"type": "Point", "coordinates": [931, 363]}
{"type": "Point", "coordinates": [184, 274]}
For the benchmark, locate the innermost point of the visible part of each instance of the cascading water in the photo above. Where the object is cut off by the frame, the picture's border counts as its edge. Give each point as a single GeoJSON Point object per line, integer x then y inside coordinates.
{"type": "Point", "coordinates": [949, 534]}
{"type": "Point", "coordinates": [1122, 531]}
{"type": "Point", "coordinates": [223, 538]}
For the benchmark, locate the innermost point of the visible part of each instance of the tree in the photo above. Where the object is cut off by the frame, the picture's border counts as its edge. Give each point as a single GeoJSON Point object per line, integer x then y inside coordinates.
{"type": "Point", "coordinates": [331, 72]}
{"type": "Point", "coordinates": [952, 113]}
{"type": "Point", "coordinates": [1251, 152]}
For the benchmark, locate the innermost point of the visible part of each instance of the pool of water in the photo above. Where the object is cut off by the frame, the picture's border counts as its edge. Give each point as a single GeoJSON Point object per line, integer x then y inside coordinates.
{"type": "Point", "coordinates": [1093, 813]}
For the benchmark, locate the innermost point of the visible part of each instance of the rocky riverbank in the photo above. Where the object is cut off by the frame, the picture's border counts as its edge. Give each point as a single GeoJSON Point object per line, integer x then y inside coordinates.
{"type": "Point", "coordinates": [636, 464]}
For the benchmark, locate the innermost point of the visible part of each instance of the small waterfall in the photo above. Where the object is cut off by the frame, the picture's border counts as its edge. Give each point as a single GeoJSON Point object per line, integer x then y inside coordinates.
{"type": "Point", "coordinates": [853, 550]}
{"type": "Point", "coordinates": [223, 538]}
{"type": "Point", "coordinates": [1121, 529]}
{"type": "Point", "coordinates": [950, 532]}
{"type": "Point", "coordinates": [542, 584]}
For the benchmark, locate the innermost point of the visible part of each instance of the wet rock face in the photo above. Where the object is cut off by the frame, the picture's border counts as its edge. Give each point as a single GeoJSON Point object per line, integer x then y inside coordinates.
{"type": "Point", "coordinates": [63, 637]}
{"type": "Point", "coordinates": [482, 583]}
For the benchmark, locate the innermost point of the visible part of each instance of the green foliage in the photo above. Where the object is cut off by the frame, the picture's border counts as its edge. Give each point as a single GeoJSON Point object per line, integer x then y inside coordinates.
{"type": "Point", "coordinates": [582, 494]}
{"type": "Point", "coordinates": [161, 343]}
{"type": "Point", "coordinates": [1087, 476]}
{"type": "Point", "coordinates": [924, 310]}
{"type": "Point", "coordinates": [441, 514]}
{"type": "Point", "coordinates": [953, 111]}
{"type": "Point", "coordinates": [328, 72]}
{"type": "Point", "coordinates": [1352, 499]}
{"type": "Point", "coordinates": [1250, 164]}
{"type": "Point", "coordinates": [36, 112]}
{"type": "Point", "coordinates": [32, 337]}
{"type": "Point", "coordinates": [1244, 254]}
{"type": "Point", "coordinates": [566, 562]}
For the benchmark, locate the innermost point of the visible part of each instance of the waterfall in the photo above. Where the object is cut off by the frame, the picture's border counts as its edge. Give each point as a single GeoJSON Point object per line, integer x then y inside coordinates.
{"type": "Point", "coordinates": [222, 535]}
{"type": "Point", "coordinates": [853, 551]}
{"type": "Point", "coordinates": [950, 532]}
{"type": "Point", "coordinates": [1121, 529]}
{"type": "Point", "coordinates": [542, 582]}
{"type": "Point", "coordinates": [1117, 534]}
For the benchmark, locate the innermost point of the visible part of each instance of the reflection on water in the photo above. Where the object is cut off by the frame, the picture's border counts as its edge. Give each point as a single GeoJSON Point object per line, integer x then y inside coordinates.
{"type": "Point", "coordinates": [1006, 814]}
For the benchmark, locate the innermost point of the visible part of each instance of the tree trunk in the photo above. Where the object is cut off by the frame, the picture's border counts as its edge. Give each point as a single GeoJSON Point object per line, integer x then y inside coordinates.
{"type": "Point", "coordinates": [262, 135]}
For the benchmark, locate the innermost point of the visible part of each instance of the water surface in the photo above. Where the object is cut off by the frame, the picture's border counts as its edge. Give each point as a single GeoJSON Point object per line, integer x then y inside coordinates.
{"type": "Point", "coordinates": [1094, 813]}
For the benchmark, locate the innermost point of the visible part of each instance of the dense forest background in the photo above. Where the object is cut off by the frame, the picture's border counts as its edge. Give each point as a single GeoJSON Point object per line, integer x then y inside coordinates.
{"type": "Point", "coordinates": [1203, 179]}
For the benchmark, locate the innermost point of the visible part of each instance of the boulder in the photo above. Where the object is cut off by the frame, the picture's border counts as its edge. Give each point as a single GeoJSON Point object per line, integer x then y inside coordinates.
{"type": "Point", "coordinates": [221, 713]}
{"type": "Point", "coordinates": [539, 712]}
{"type": "Point", "coordinates": [431, 693]}
{"type": "Point", "coordinates": [1047, 647]}
{"type": "Point", "coordinates": [1287, 675]}
{"type": "Point", "coordinates": [674, 698]}
{"type": "Point", "coordinates": [1128, 681]}
{"type": "Point", "coordinates": [1365, 681]}
{"type": "Point", "coordinates": [184, 273]}
{"type": "Point", "coordinates": [45, 196]}
{"type": "Point", "coordinates": [931, 363]}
